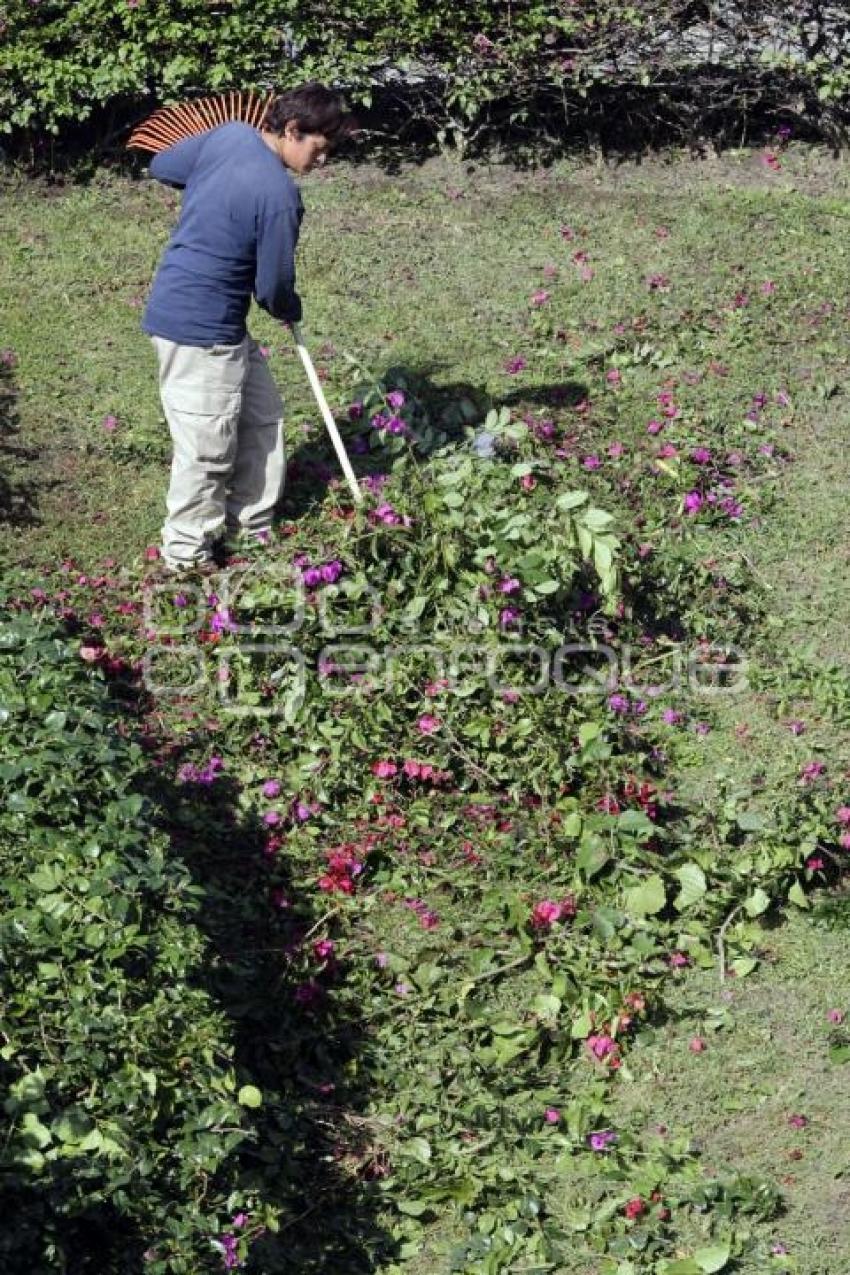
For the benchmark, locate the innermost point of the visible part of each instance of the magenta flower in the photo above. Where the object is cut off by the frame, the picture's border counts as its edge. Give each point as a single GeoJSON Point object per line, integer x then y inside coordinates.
{"type": "Point", "coordinates": [271, 788]}
{"type": "Point", "coordinates": [701, 455]}
{"type": "Point", "coordinates": [428, 725]}
{"type": "Point", "coordinates": [693, 502]}
{"type": "Point", "coordinates": [842, 814]}
{"type": "Point", "coordinates": [545, 914]}
{"type": "Point", "coordinates": [671, 717]}
{"type": "Point", "coordinates": [540, 297]}
{"type": "Point", "coordinates": [797, 727]}
{"type": "Point", "coordinates": [591, 462]}
{"type": "Point", "coordinates": [110, 424]}
{"type": "Point", "coordinates": [601, 1046]}
{"type": "Point", "coordinates": [601, 1140]}
{"type": "Point", "coordinates": [396, 399]}
{"type": "Point", "coordinates": [384, 769]}
{"type": "Point", "coordinates": [618, 703]}
{"type": "Point", "coordinates": [835, 1016]}
{"type": "Point", "coordinates": [812, 771]}
{"type": "Point", "coordinates": [798, 1122]}
{"type": "Point", "coordinates": [509, 585]}
{"type": "Point", "coordinates": [516, 365]}
{"type": "Point", "coordinates": [552, 1115]}
{"type": "Point", "coordinates": [508, 616]}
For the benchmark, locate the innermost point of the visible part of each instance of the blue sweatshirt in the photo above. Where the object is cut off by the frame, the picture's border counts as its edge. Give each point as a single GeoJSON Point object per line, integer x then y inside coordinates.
{"type": "Point", "coordinates": [236, 236]}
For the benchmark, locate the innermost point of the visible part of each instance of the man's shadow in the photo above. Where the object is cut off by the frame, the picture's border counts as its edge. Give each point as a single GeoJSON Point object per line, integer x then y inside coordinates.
{"type": "Point", "coordinates": [313, 465]}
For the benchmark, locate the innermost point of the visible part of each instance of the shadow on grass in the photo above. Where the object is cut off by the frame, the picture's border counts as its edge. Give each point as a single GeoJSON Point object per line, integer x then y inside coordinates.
{"type": "Point", "coordinates": [18, 496]}
{"type": "Point", "coordinates": [310, 1155]}
{"type": "Point", "coordinates": [448, 407]}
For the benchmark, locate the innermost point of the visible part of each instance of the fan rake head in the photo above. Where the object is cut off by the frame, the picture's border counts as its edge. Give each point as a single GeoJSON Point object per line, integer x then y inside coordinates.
{"type": "Point", "coordinates": [171, 124]}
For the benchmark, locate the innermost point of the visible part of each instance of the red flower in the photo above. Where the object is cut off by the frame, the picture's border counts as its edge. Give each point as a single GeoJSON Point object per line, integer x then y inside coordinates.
{"type": "Point", "coordinates": [635, 1207]}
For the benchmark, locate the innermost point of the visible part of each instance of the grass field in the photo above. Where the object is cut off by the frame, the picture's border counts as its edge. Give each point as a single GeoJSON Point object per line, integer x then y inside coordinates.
{"type": "Point", "coordinates": [431, 269]}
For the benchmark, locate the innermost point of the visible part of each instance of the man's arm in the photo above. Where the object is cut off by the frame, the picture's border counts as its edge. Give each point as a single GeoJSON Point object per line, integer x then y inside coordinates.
{"type": "Point", "coordinates": [274, 286]}
{"type": "Point", "coordinates": [174, 166]}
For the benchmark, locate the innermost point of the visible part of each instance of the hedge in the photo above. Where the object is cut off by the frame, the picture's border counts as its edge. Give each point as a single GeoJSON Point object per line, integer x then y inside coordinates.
{"type": "Point", "coordinates": [459, 70]}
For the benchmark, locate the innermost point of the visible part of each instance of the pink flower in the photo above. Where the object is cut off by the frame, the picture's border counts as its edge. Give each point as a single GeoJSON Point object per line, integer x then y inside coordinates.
{"type": "Point", "coordinates": [396, 399]}
{"type": "Point", "coordinates": [835, 1016]}
{"type": "Point", "coordinates": [384, 769]}
{"type": "Point", "coordinates": [658, 283]}
{"type": "Point", "coordinates": [842, 814]}
{"type": "Point", "coordinates": [90, 653]}
{"type": "Point", "coordinates": [509, 584]}
{"type": "Point", "coordinates": [635, 1207]}
{"type": "Point", "coordinates": [552, 1115]}
{"type": "Point", "coordinates": [614, 376]}
{"type": "Point", "coordinates": [545, 914]}
{"type": "Point", "coordinates": [768, 287]}
{"type": "Point", "coordinates": [540, 297]}
{"type": "Point", "coordinates": [616, 450]}
{"type": "Point", "coordinates": [110, 424]}
{"type": "Point", "coordinates": [528, 482]}
{"type": "Point", "coordinates": [798, 1122]}
{"type": "Point", "coordinates": [797, 727]}
{"type": "Point", "coordinates": [591, 462]}
{"type": "Point", "coordinates": [323, 949]}
{"type": "Point", "coordinates": [697, 1045]}
{"type": "Point", "coordinates": [265, 350]}
{"type": "Point", "coordinates": [654, 427]}
{"type": "Point", "coordinates": [271, 788]}
{"type": "Point", "coordinates": [844, 841]}
{"type": "Point", "coordinates": [815, 864]}
{"type": "Point", "coordinates": [601, 1046]}
{"type": "Point", "coordinates": [271, 818]}
{"type": "Point", "coordinates": [701, 455]}
{"type": "Point", "coordinates": [678, 960]}
{"type": "Point", "coordinates": [516, 365]}
{"type": "Point", "coordinates": [812, 771]}
{"type": "Point", "coordinates": [567, 232]}
{"type": "Point", "coordinates": [428, 724]}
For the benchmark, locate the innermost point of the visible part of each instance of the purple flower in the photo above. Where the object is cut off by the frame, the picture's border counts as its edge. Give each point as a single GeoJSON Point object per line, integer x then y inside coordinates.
{"type": "Point", "coordinates": [508, 615]}
{"type": "Point", "coordinates": [701, 455]}
{"type": "Point", "coordinates": [509, 585]}
{"type": "Point", "coordinates": [312, 576]}
{"type": "Point", "coordinates": [355, 411]}
{"type": "Point", "coordinates": [331, 572]}
{"type": "Point", "coordinates": [396, 399]}
{"type": "Point", "coordinates": [618, 703]}
{"type": "Point", "coordinates": [671, 716]}
{"type": "Point", "coordinates": [693, 502]}
{"type": "Point", "coordinates": [223, 622]}
{"type": "Point", "coordinates": [591, 462]}
{"type": "Point", "coordinates": [271, 788]}
{"type": "Point", "coordinates": [516, 365]}
{"type": "Point", "coordinates": [600, 1141]}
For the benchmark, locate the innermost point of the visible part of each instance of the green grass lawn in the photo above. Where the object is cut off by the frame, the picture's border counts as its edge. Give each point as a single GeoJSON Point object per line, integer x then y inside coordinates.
{"type": "Point", "coordinates": [432, 269]}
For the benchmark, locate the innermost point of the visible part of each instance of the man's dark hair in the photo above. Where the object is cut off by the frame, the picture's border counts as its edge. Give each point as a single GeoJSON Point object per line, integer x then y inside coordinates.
{"type": "Point", "coordinates": [315, 109]}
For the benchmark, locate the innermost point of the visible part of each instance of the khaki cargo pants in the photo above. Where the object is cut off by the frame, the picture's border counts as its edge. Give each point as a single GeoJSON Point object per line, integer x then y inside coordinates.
{"type": "Point", "coordinates": [225, 415]}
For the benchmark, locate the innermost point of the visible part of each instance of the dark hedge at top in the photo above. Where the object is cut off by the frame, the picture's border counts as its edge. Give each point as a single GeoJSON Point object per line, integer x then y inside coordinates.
{"type": "Point", "coordinates": [447, 73]}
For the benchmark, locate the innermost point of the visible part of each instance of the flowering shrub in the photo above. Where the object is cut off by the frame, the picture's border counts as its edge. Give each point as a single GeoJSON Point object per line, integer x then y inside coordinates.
{"type": "Point", "coordinates": [477, 65]}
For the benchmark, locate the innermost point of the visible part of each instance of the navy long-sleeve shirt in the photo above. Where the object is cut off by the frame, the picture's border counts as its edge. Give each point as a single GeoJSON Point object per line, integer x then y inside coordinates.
{"type": "Point", "coordinates": [236, 236]}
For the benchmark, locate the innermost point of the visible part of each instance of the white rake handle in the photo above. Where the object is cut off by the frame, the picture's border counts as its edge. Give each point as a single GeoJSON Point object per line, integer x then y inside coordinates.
{"type": "Point", "coordinates": [316, 387]}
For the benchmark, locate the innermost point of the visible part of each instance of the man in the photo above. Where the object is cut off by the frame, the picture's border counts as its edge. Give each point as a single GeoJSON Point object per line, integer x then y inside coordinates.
{"type": "Point", "coordinates": [236, 237]}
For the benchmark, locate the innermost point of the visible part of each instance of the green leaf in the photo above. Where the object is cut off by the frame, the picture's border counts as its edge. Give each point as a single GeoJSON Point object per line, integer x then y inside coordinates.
{"type": "Point", "coordinates": [713, 1259]}
{"type": "Point", "coordinates": [249, 1096]}
{"type": "Point", "coordinates": [757, 903]}
{"type": "Point", "coordinates": [648, 898]}
{"type": "Point", "coordinates": [797, 895]}
{"type": "Point", "coordinates": [571, 500]}
{"type": "Point", "coordinates": [692, 880]}
{"type": "Point", "coordinates": [418, 1149]}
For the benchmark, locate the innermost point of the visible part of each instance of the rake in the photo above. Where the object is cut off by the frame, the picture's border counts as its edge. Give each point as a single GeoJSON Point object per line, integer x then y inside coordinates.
{"type": "Point", "coordinates": [171, 124]}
